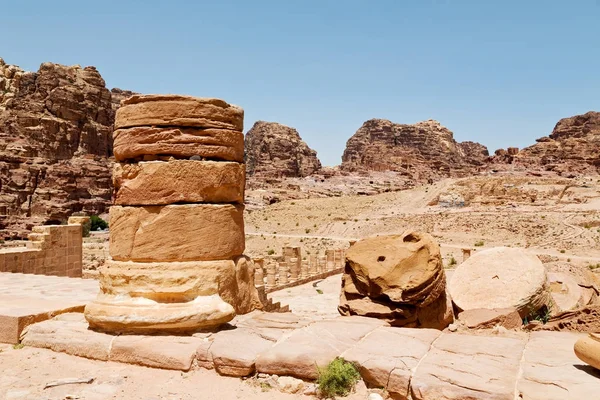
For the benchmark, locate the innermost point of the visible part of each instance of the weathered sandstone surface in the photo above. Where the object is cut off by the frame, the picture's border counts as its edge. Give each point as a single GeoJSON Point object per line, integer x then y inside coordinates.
{"type": "Point", "coordinates": [500, 277]}
{"type": "Point", "coordinates": [55, 141]}
{"type": "Point", "coordinates": [178, 181]}
{"type": "Point", "coordinates": [177, 110]}
{"type": "Point", "coordinates": [573, 146]}
{"type": "Point", "coordinates": [274, 150]}
{"type": "Point", "coordinates": [177, 232]}
{"type": "Point", "coordinates": [397, 278]}
{"type": "Point", "coordinates": [178, 142]}
{"type": "Point", "coordinates": [423, 150]}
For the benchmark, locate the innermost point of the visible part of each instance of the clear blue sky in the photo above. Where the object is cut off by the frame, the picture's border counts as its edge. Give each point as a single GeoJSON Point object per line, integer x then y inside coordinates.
{"type": "Point", "coordinates": [498, 72]}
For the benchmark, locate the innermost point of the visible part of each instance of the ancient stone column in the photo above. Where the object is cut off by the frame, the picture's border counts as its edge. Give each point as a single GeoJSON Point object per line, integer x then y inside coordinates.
{"type": "Point", "coordinates": [313, 265]}
{"type": "Point", "coordinates": [283, 271]}
{"type": "Point", "coordinates": [330, 259]}
{"type": "Point", "coordinates": [294, 270]}
{"type": "Point", "coordinates": [271, 275]}
{"type": "Point", "coordinates": [304, 269]}
{"type": "Point", "coordinates": [466, 253]}
{"type": "Point", "coordinates": [339, 258]}
{"type": "Point", "coordinates": [322, 264]}
{"type": "Point", "coordinates": [177, 228]}
{"type": "Point", "coordinates": [259, 272]}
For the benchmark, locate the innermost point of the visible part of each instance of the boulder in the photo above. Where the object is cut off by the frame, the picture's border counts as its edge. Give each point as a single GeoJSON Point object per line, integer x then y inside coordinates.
{"type": "Point", "coordinates": [397, 278]}
{"type": "Point", "coordinates": [482, 318]}
{"type": "Point", "coordinates": [571, 287]}
{"type": "Point", "coordinates": [500, 277]}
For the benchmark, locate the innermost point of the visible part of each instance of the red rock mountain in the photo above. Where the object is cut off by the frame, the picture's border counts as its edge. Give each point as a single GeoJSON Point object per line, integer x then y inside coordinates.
{"type": "Point", "coordinates": [55, 144]}
{"type": "Point", "coordinates": [423, 150]}
{"type": "Point", "coordinates": [275, 151]}
{"type": "Point", "coordinates": [573, 146]}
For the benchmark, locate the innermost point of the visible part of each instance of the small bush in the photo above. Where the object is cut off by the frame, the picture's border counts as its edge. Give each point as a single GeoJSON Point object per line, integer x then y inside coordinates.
{"type": "Point", "coordinates": [452, 262]}
{"type": "Point", "coordinates": [307, 230]}
{"type": "Point", "coordinates": [479, 243]}
{"type": "Point", "coordinates": [98, 223]}
{"type": "Point", "coordinates": [562, 251]}
{"type": "Point", "coordinates": [337, 379]}
{"type": "Point", "coordinates": [271, 252]}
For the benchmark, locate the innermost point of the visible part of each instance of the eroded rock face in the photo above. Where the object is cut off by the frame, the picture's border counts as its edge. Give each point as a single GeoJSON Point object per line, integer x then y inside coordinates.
{"type": "Point", "coordinates": [396, 278]}
{"type": "Point", "coordinates": [55, 144]}
{"type": "Point", "coordinates": [423, 150]}
{"type": "Point", "coordinates": [275, 150]}
{"type": "Point", "coordinates": [573, 146]}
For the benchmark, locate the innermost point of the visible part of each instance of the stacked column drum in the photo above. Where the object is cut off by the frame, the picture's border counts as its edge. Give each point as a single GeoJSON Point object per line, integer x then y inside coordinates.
{"type": "Point", "coordinates": [177, 227]}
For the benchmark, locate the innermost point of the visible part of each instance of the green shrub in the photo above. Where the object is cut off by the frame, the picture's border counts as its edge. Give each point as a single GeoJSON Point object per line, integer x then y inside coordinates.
{"type": "Point", "coordinates": [337, 379]}
{"type": "Point", "coordinates": [479, 243]}
{"type": "Point", "coordinates": [271, 252]}
{"type": "Point", "coordinates": [98, 223]}
{"type": "Point", "coordinates": [453, 261]}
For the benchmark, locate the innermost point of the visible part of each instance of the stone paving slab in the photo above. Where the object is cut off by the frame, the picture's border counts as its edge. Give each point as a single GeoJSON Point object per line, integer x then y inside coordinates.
{"type": "Point", "coordinates": [421, 364]}
{"type": "Point", "coordinates": [462, 366]}
{"type": "Point", "coordinates": [551, 371]}
{"type": "Point", "coordinates": [26, 299]}
{"type": "Point", "coordinates": [316, 345]}
{"type": "Point", "coordinates": [387, 356]}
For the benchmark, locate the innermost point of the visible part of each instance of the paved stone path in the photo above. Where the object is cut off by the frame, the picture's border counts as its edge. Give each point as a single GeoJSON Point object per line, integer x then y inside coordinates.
{"type": "Point", "coordinates": [423, 363]}
{"type": "Point", "coordinates": [27, 298]}
{"type": "Point", "coordinates": [420, 363]}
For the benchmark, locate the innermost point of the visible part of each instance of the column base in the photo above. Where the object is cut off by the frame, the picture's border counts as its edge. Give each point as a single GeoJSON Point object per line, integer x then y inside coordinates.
{"type": "Point", "coordinates": [124, 314]}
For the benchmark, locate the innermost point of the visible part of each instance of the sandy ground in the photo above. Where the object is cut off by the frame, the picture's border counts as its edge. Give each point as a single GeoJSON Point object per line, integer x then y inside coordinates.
{"type": "Point", "coordinates": [26, 371]}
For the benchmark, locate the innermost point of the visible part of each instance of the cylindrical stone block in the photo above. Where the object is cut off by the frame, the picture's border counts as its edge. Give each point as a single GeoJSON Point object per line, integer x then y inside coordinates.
{"type": "Point", "coordinates": [186, 232]}
{"type": "Point", "coordinates": [209, 144]}
{"type": "Point", "coordinates": [259, 272]}
{"type": "Point", "coordinates": [178, 181]}
{"type": "Point", "coordinates": [304, 269]}
{"type": "Point", "coordinates": [294, 271]}
{"type": "Point", "coordinates": [271, 275]}
{"type": "Point", "coordinates": [313, 267]}
{"type": "Point", "coordinates": [322, 264]}
{"type": "Point", "coordinates": [176, 110]}
{"type": "Point", "coordinates": [283, 271]}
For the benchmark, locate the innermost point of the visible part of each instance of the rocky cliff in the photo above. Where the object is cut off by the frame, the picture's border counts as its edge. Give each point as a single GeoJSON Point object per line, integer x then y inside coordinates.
{"type": "Point", "coordinates": [55, 144]}
{"type": "Point", "coordinates": [425, 150]}
{"type": "Point", "coordinates": [572, 147]}
{"type": "Point", "coordinates": [275, 151]}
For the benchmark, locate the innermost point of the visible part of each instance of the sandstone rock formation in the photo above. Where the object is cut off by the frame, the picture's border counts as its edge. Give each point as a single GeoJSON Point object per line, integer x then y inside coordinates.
{"type": "Point", "coordinates": [274, 150]}
{"type": "Point", "coordinates": [175, 267]}
{"type": "Point", "coordinates": [571, 287]}
{"type": "Point", "coordinates": [396, 278]}
{"type": "Point", "coordinates": [55, 141]}
{"type": "Point", "coordinates": [500, 277]}
{"type": "Point", "coordinates": [573, 146]}
{"type": "Point", "coordinates": [423, 150]}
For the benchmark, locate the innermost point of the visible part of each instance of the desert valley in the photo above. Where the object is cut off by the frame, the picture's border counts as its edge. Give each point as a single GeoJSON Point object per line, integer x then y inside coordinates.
{"type": "Point", "coordinates": [391, 238]}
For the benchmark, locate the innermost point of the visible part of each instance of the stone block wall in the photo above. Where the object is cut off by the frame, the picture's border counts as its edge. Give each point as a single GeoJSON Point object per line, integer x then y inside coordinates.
{"type": "Point", "coordinates": [51, 250]}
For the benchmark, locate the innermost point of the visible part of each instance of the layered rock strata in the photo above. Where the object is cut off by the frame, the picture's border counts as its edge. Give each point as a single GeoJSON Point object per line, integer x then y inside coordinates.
{"type": "Point", "coordinates": [424, 150]}
{"type": "Point", "coordinates": [177, 229]}
{"type": "Point", "coordinates": [274, 151]}
{"type": "Point", "coordinates": [55, 144]}
{"type": "Point", "coordinates": [396, 278]}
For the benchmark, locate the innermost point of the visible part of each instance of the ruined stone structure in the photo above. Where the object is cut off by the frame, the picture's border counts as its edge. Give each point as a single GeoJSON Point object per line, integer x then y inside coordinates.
{"type": "Point", "coordinates": [293, 270]}
{"type": "Point", "coordinates": [177, 229]}
{"type": "Point", "coordinates": [51, 250]}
